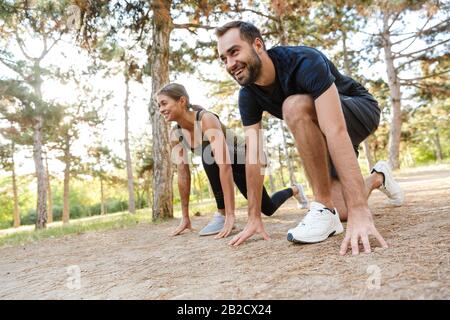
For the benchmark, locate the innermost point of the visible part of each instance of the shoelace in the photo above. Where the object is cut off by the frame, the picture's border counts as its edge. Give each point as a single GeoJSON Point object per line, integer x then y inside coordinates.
{"type": "Point", "coordinates": [310, 215]}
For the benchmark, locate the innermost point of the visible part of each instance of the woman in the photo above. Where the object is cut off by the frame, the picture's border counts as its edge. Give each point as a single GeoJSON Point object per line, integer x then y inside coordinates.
{"type": "Point", "coordinates": [202, 132]}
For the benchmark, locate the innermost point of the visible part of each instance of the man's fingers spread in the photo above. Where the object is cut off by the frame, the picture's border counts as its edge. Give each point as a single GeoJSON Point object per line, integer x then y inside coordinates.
{"type": "Point", "coordinates": [355, 247]}
{"type": "Point", "coordinates": [344, 246]}
{"type": "Point", "coordinates": [380, 239]}
{"type": "Point", "coordinates": [366, 244]}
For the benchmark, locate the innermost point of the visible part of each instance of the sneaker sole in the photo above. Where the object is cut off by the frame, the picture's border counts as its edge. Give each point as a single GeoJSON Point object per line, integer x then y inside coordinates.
{"type": "Point", "coordinates": [212, 233]}
{"type": "Point", "coordinates": [338, 230]}
{"type": "Point", "coordinates": [209, 233]}
{"type": "Point", "coordinates": [291, 238]}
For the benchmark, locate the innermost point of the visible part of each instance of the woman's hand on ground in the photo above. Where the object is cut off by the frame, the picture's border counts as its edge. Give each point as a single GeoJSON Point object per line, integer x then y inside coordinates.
{"type": "Point", "coordinates": [227, 228]}
{"type": "Point", "coordinates": [254, 226]}
{"type": "Point", "coordinates": [185, 224]}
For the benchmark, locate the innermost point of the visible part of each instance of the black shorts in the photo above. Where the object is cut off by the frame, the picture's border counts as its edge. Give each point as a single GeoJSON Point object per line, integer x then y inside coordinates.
{"type": "Point", "coordinates": [362, 116]}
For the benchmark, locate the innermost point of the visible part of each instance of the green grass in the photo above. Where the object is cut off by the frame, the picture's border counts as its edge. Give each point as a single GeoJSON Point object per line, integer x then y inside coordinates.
{"type": "Point", "coordinates": [103, 223]}
{"type": "Point", "coordinates": [75, 227]}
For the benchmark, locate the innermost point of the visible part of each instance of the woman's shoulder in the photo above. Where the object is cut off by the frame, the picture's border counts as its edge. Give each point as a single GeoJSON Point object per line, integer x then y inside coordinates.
{"type": "Point", "coordinates": [208, 117]}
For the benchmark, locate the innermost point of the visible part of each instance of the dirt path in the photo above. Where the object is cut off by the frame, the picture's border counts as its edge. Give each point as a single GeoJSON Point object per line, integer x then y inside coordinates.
{"type": "Point", "coordinates": [144, 263]}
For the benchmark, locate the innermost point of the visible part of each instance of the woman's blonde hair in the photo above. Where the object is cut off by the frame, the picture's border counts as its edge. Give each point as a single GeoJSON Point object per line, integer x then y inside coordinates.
{"type": "Point", "coordinates": [176, 91]}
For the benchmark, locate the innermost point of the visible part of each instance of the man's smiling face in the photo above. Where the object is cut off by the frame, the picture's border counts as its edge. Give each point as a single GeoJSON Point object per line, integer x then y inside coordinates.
{"type": "Point", "coordinates": [239, 57]}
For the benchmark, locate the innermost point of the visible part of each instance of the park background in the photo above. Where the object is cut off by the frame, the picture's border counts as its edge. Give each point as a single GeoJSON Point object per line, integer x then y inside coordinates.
{"type": "Point", "coordinates": [80, 133]}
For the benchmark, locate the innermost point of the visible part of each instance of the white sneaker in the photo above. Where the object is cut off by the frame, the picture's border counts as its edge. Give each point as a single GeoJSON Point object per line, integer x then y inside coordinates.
{"type": "Point", "coordinates": [389, 187]}
{"type": "Point", "coordinates": [301, 197]}
{"type": "Point", "coordinates": [318, 224]}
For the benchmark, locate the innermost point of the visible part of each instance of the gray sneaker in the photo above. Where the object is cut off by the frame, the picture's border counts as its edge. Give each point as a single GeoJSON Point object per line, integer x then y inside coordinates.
{"type": "Point", "coordinates": [214, 226]}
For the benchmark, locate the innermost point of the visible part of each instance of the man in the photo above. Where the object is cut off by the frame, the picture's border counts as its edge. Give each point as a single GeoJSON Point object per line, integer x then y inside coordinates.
{"type": "Point", "coordinates": [329, 115]}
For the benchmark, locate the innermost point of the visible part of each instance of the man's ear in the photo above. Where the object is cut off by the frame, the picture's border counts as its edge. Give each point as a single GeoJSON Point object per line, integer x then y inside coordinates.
{"type": "Point", "coordinates": [259, 45]}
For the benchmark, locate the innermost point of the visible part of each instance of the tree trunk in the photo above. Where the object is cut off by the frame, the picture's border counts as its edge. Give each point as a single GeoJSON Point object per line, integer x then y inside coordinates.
{"type": "Point", "coordinates": [272, 183]}
{"type": "Point", "coordinates": [280, 160]}
{"type": "Point", "coordinates": [159, 60]}
{"type": "Point", "coordinates": [16, 198]}
{"type": "Point", "coordinates": [49, 194]}
{"type": "Point", "coordinates": [437, 143]}
{"type": "Point", "coordinates": [102, 198]}
{"type": "Point", "coordinates": [210, 193]}
{"type": "Point", "coordinates": [394, 87]}
{"type": "Point", "coordinates": [289, 162]}
{"type": "Point", "coordinates": [200, 186]}
{"type": "Point", "coordinates": [149, 190]}
{"type": "Point", "coordinates": [195, 183]}
{"type": "Point", "coordinates": [131, 200]}
{"type": "Point", "coordinates": [66, 204]}
{"type": "Point", "coordinates": [348, 71]}
{"type": "Point", "coordinates": [345, 51]}
{"type": "Point", "coordinates": [41, 206]}
{"type": "Point", "coordinates": [368, 154]}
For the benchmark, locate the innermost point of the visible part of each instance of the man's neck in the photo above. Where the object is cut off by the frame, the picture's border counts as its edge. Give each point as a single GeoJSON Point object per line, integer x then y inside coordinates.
{"type": "Point", "coordinates": [267, 76]}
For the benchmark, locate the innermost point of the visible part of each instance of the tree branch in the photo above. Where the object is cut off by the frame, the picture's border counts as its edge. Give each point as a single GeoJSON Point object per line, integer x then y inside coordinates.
{"type": "Point", "coordinates": [13, 68]}
{"type": "Point", "coordinates": [192, 25]}
{"type": "Point", "coordinates": [398, 68]}
{"type": "Point", "coordinates": [20, 42]}
{"type": "Point", "coordinates": [397, 15]}
{"type": "Point", "coordinates": [416, 34]}
{"type": "Point", "coordinates": [258, 13]}
{"type": "Point", "coordinates": [425, 77]}
{"type": "Point", "coordinates": [396, 55]}
{"type": "Point", "coordinates": [415, 37]}
{"type": "Point", "coordinates": [48, 49]}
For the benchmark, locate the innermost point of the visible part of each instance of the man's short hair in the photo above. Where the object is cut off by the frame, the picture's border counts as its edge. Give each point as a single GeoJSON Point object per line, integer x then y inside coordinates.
{"type": "Point", "coordinates": [247, 31]}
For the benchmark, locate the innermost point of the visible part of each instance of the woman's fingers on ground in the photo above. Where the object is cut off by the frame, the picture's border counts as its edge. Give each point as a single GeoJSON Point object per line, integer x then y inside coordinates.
{"type": "Point", "coordinates": [233, 241]}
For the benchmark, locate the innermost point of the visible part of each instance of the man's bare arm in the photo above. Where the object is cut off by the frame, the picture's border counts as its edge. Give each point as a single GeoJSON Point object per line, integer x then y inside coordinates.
{"type": "Point", "coordinates": [254, 163]}
{"type": "Point", "coordinates": [332, 123]}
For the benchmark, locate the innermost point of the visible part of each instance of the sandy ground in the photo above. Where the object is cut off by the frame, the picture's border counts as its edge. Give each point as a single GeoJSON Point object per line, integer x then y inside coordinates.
{"type": "Point", "coordinates": [143, 262]}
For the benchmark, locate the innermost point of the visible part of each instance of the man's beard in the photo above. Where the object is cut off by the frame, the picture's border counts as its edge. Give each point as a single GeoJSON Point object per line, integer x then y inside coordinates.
{"type": "Point", "coordinates": [253, 66]}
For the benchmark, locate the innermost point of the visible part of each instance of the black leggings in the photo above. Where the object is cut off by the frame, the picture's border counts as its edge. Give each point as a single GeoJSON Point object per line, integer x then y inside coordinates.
{"type": "Point", "coordinates": [268, 205]}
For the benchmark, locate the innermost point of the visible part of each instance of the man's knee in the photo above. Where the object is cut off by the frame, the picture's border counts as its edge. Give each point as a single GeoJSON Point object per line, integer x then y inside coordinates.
{"type": "Point", "coordinates": [298, 107]}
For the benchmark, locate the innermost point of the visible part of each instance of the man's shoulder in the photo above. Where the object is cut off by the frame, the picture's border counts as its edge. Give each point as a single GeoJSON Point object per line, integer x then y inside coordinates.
{"type": "Point", "coordinates": [292, 51]}
{"type": "Point", "coordinates": [290, 60]}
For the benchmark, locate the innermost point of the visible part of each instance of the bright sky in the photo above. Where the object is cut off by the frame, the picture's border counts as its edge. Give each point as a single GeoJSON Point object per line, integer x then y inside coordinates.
{"type": "Point", "coordinates": [140, 94]}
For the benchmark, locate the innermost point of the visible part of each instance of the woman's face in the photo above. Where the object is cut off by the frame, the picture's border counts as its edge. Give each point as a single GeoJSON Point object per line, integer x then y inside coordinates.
{"type": "Point", "coordinates": [170, 108]}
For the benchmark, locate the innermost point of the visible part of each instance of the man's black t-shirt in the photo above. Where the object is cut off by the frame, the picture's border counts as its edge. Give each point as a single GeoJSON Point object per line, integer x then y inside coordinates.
{"type": "Point", "coordinates": [299, 70]}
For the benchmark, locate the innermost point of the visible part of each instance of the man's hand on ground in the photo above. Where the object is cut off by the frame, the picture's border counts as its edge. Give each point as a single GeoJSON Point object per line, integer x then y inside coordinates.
{"type": "Point", "coordinates": [254, 226]}
{"type": "Point", "coordinates": [359, 227]}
